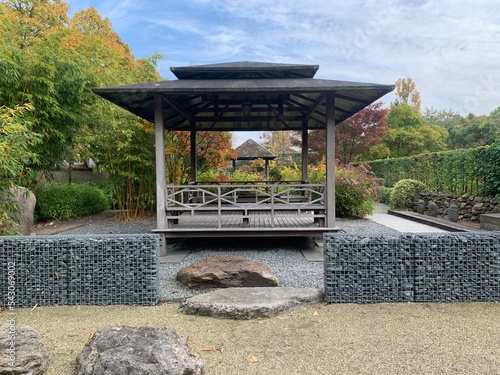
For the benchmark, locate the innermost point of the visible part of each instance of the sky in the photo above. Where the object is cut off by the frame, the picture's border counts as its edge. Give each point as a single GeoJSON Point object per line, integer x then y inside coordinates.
{"type": "Point", "coordinates": [450, 48]}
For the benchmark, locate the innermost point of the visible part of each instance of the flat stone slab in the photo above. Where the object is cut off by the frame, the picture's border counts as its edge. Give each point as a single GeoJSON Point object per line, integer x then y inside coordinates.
{"type": "Point", "coordinates": [490, 221]}
{"type": "Point", "coordinates": [249, 303]}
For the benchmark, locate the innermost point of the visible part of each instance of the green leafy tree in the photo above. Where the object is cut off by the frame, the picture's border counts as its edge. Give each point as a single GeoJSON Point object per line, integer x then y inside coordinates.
{"type": "Point", "coordinates": [409, 134]}
{"type": "Point", "coordinates": [473, 131]}
{"type": "Point", "coordinates": [39, 71]}
{"type": "Point", "coordinates": [16, 142]}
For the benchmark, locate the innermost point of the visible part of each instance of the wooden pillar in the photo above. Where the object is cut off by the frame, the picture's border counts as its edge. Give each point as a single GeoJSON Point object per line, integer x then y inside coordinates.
{"type": "Point", "coordinates": [194, 162]}
{"type": "Point", "coordinates": [330, 160]}
{"type": "Point", "coordinates": [305, 149]}
{"type": "Point", "coordinates": [161, 216]}
{"type": "Point", "coordinates": [267, 169]}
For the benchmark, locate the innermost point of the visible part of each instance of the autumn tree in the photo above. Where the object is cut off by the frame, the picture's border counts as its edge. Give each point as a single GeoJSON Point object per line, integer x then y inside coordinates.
{"type": "Point", "coordinates": [51, 62]}
{"type": "Point", "coordinates": [213, 151]}
{"type": "Point", "coordinates": [407, 93]}
{"type": "Point", "coordinates": [122, 144]}
{"type": "Point", "coordinates": [37, 71]}
{"type": "Point", "coordinates": [354, 137]}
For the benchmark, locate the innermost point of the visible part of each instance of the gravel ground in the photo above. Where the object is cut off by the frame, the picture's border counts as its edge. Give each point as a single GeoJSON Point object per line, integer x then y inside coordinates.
{"type": "Point", "coordinates": [342, 339]}
{"type": "Point", "coordinates": [282, 255]}
{"type": "Point", "coordinates": [383, 338]}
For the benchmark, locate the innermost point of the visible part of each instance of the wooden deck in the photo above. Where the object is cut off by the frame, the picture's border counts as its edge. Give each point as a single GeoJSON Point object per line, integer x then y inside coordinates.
{"type": "Point", "coordinates": [249, 210]}
{"type": "Point", "coordinates": [257, 224]}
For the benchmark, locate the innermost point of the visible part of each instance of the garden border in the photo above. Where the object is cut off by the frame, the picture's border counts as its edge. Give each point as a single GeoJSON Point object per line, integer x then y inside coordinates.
{"type": "Point", "coordinates": [409, 267]}
{"type": "Point", "coordinates": [103, 269]}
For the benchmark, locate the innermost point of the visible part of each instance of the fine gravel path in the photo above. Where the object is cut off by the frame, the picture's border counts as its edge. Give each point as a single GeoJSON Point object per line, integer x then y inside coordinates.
{"type": "Point", "coordinates": [342, 339]}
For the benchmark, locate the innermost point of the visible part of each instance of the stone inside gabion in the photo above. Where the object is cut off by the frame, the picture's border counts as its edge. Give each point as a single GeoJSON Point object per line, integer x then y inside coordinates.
{"type": "Point", "coordinates": [449, 267]}
{"type": "Point", "coordinates": [83, 269]}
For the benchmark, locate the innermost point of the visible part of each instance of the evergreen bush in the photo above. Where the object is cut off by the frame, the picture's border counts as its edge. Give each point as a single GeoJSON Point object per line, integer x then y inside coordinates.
{"type": "Point", "coordinates": [403, 194]}
{"type": "Point", "coordinates": [385, 194]}
{"type": "Point", "coordinates": [65, 201]}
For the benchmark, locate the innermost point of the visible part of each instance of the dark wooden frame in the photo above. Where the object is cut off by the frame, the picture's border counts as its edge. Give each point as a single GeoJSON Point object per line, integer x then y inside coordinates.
{"type": "Point", "coordinates": [283, 97]}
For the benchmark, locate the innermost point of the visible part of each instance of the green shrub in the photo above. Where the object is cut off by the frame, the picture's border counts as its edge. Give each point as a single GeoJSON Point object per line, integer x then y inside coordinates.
{"type": "Point", "coordinates": [65, 201]}
{"type": "Point", "coordinates": [385, 194]}
{"type": "Point", "coordinates": [355, 190]}
{"type": "Point", "coordinates": [108, 189]}
{"type": "Point", "coordinates": [403, 194]}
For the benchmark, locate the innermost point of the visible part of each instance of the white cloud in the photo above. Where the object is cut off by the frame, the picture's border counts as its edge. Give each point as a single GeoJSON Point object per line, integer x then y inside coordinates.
{"type": "Point", "coordinates": [450, 48]}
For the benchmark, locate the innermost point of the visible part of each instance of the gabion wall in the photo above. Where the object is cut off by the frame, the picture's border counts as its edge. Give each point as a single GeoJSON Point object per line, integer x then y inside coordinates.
{"type": "Point", "coordinates": [79, 270]}
{"type": "Point", "coordinates": [432, 267]}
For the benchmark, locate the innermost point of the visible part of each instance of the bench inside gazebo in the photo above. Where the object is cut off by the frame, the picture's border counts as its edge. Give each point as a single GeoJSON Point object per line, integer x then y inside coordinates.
{"type": "Point", "coordinates": [245, 96]}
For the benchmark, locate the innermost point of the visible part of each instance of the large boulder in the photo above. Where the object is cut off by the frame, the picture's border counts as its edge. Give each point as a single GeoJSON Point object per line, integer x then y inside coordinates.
{"type": "Point", "coordinates": [226, 271]}
{"type": "Point", "coordinates": [21, 350]}
{"type": "Point", "coordinates": [27, 201]}
{"type": "Point", "coordinates": [138, 351]}
{"type": "Point", "coordinates": [249, 303]}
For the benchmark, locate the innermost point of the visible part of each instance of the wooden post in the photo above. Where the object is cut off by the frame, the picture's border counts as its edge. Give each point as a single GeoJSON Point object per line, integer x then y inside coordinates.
{"type": "Point", "coordinates": [161, 216]}
{"type": "Point", "coordinates": [330, 160]}
{"type": "Point", "coordinates": [194, 162]}
{"type": "Point", "coordinates": [305, 149]}
{"type": "Point", "coordinates": [267, 169]}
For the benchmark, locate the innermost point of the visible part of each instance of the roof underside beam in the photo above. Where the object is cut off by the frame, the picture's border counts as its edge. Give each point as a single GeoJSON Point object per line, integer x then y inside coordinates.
{"type": "Point", "coordinates": [313, 108]}
{"type": "Point", "coordinates": [179, 108]}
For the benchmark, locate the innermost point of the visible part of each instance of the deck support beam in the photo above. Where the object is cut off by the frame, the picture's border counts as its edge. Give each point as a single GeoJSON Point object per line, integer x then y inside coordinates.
{"type": "Point", "coordinates": [330, 160]}
{"type": "Point", "coordinates": [161, 217]}
{"type": "Point", "coordinates": [305, 149]}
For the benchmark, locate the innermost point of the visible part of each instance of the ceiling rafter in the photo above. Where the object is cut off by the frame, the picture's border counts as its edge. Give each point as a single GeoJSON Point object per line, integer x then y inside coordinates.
{"type": "Point", "coordinates": [278, 116]}
{"type": "Point", "coordinates": [217, 120]}
{"type": "Point", "coordinates": [316, 104]}
{"type": "Point", "coordinates": [179, 108]}
{"type": "Point", "coordinates": [212, 97]}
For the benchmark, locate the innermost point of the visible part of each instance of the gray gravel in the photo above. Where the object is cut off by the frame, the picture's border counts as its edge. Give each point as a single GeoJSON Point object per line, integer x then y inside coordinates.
{"type": "Point", "coordinates": [282, 255]}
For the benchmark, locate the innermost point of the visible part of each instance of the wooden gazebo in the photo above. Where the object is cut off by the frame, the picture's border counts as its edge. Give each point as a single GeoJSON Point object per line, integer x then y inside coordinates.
{"type": "Point", "coordinates": [251, 150]}
{"type": "Point", "coordinates": [245, 96]}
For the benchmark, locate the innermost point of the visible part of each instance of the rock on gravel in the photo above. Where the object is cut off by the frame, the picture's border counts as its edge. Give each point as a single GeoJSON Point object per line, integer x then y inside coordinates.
{"type": "Point", "coordinates": [24, 348]}
{"type": "Point", "coordinates": [249, 303]}
{"type": "Point", "coordinates": [138, 351]}
{"type": "Point", "coordinates": [225, 271]}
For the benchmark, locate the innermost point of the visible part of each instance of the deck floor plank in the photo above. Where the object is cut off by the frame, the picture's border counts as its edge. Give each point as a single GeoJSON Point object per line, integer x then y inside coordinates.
{"type": "Point", "coordinates": [257, 220]}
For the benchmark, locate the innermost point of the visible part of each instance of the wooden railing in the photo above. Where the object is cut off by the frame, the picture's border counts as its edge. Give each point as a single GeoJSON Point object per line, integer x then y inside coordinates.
{"type": "Point", "coordinates": [194, 197]}
{"type": "Point", "coordinates": [267, 198]}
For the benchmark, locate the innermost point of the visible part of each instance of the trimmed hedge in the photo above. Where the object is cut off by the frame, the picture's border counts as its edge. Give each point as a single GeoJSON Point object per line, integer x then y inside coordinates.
{"type": "Point", "coordinates": [475, 171]}
{"type": "Point", "coordinates": [65, 201]}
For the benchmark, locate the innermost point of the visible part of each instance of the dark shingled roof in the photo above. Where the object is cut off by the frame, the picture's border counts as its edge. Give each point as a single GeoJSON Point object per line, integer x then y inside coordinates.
{"type": "Point", "coordinates": [282, 97]}
{"type": "Point", "coordinates": [251, 150]}
{"type": "Point", "coordinates": [245, 69]}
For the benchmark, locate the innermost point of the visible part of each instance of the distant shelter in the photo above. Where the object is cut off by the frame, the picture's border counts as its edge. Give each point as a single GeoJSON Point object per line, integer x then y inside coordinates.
{"type": "Point", "coordinates": [251, 150]}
